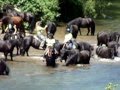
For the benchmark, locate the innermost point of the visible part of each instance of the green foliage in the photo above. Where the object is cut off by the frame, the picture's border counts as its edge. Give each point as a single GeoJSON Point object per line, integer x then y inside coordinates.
{"type": "Point", "coordinates": [44, 9]}
{"type": "Point", "coordinates": [95, 8]}
{"type": "Point", "coordinates": [111, 86]}
{"type": "Point", "coordinates": [49, 9]}
{"type": "Point", "coordinates": [89, 8]}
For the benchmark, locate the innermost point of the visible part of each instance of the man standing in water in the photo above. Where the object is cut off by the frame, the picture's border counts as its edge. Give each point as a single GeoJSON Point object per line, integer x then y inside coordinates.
{"type": "Point", "coordinates": [50, 43]}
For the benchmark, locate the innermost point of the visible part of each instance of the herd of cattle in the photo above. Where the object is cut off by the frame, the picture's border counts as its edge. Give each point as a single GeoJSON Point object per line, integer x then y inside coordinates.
{"type": "Point", "coordinates": [81, 55]}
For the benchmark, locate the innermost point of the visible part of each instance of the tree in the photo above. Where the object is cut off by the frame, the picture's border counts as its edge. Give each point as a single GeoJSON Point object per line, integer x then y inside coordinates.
{"type": "Point", "coordinates": [49, 10]}
{"type": "Point", "coordinates": [44, 9]}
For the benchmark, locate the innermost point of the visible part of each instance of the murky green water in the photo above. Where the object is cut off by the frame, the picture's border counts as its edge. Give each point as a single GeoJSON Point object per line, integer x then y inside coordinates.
{"type": "Point", "coordinates": [28, 73]}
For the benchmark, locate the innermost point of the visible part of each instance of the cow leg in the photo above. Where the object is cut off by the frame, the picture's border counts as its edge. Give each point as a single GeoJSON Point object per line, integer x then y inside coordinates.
{"type": "Point", "coordinates": [11, 55]}
{"type": "Point", "coordinates": [17, 50]}
{"type": "Point", "coordinates": [88, 31]}
{"type": "Point", "coordinates": [5, 54]}
{"type": "Point", "coordinates": [27, 52]}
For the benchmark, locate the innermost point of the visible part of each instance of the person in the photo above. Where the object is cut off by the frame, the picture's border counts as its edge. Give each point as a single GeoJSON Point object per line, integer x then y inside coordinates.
{"type": "Point", "coordinates": [17, 9]}
{"type": "Point", "coordinates": [11, 28]}
{"type": "Point", "coordinates": [39, 29]}
{"type": "Point", "coordinates": [69, 41]}
{"type": "Point", "coordinates": [50, 43]}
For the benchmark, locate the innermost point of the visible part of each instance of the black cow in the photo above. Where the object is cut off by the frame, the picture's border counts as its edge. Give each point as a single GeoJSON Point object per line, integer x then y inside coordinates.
{"type": "Point", "coordinates": [84, 57]}
{"type": "Point", "coordinates": [114, 36]}
{"type": "Point", "coordinates": [85, 46]}
{"type": "Point", "coordinates": [103, 38]}
{"type": "Point", "coordinates": [4, 69]}
{"type": "Point", "coordinates": [31, 41]}
{"type": "Point", "coordinates": [83, 23]}
{"type": "Point", "coordinates": [75, 57]}
{"type": "Point", "coordinates": [51, 28]}
{"type": "Point", "coordinates": [73, 30]}
{"type": "Point", "coordinates": [17, 38]}
{"type": "Point", "coordinates": [26, 43]}
{"type": "Point", "coordinates": [70, 56]}
{"type": "Point", "coordinates": [105, 52]}
{"type": "Point", "coordinates": [7, 47]}
{"type": "Point", "coordinates": [114, 45]}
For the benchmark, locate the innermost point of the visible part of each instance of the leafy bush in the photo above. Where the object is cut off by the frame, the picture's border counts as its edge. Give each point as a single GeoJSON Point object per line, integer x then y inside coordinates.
{"type": "Point", "coordinates": [44, 9]}
{"type": "Point", "coordinates": [50, 9]}
{"type": "Point", "coordinates": [95, 8]}
{"type": "Point", "coordinates": [111, 86]}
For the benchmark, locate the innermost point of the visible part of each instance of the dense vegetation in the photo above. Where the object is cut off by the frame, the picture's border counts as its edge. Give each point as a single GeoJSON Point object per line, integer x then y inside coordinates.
{"type": "Point", "coordinates": [63, 9]}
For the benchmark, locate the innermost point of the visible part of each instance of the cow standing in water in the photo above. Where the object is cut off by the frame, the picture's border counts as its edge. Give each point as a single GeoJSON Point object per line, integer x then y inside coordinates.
{"type": "Point", "coordinates": [105, 52]}
{"type": "Point", "coordinates": [83, 23]}
{"type": "Point", "coordinates": [4, 69]}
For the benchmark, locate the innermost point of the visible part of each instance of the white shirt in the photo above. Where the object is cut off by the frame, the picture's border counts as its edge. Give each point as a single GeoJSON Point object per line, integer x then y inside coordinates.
{"type": "Point", "coordinates": [40, 29]}
{"type": "Point", "coordinates": [50, 42]}
{"type": "Point", "coordinates": [68, 37]}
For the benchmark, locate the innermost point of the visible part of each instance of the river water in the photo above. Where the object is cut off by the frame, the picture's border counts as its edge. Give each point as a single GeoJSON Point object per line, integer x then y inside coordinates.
{"type": "Point", "coordinates": [30, 73]}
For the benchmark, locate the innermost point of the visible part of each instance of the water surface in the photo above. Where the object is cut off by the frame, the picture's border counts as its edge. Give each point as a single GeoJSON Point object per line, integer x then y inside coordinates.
{"type": "Point", "coordinates": [30, 73]}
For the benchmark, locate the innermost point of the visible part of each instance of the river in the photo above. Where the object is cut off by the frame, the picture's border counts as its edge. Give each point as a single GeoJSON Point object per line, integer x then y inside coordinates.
{"type": "Point", "coordinates": [30, 73]}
